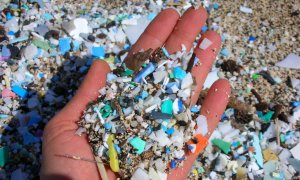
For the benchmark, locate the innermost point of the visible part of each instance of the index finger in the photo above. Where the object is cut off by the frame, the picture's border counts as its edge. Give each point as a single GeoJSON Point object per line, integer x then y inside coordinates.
{"type": "Point", "coordinates": [157, 31]}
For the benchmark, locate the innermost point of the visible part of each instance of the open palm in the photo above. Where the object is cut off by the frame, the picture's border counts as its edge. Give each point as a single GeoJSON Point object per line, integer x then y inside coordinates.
{"type": "Point", "coordinates": [168, 29]}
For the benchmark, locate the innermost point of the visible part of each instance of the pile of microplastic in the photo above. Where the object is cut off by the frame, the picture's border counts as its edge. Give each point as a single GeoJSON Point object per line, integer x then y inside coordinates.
{"type": "Point", "coordinates": [144, 117]}
{"type": "Point", "coordinates": [256, 35]}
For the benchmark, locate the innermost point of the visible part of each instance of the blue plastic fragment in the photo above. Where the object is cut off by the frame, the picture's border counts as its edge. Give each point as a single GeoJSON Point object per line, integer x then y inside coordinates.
{"type": "Point", "coordinates": [41, 75]}
{"type": "Point", "coordinates": [13, 6]}
{"type": "Point", "coordinates": [107, 126]}
{"type": "Point", "coordinates": [10, 33]}
{"type": "Point", "coordinates": [168, 150]}
{"type": "Point", "coordinates": [144, 94]}
{"type": "Point", "coordinates": [76, 45]}
{"type": "Point", "coordinates": [225, 52]}
{"type": "Point", "coordinates": [151, 16]}
{"type": "Point", "coordinates": [98, 52]}
{"type": "Point", "coordinates": [296, 103]}
{"type": "Point", "coordinates": [181, 159]}
{"type": "Point", "coordinates": [252, 38]}
{"type": "Point", "coordinates": [64, 45]}
{"type": "Point", "coordinates": [235, 144]}
{"type": "Point", "coordinates": [190, 147]}
{"type": "Point", "coordinates": [118, 149]}
{"type": "Point", "coordinates": [83, 69]}
{"type": "Point", "coordinates": [195, 109]}
{"type": "Point", "coordinates": [19, 91]}
{"type": "Point", "coordinates": [5, 52]}
{"type": "Point", "coordinates": [170, 85]}
{"type": "Point", "coordinates": [180, 106]}
{"type": "Point", "coordinates": [8, 16]}
{"type": "Point", "coordinates": [34, 120]}
{"type": "Point", "coordinates": [204, 29]}
{"type": "Point", "coordinates": [179, 73]}
{"type": "Point", "coordinates": [29, 138]}
{"type": "Point", "coordinates": [126, 46]}
{"type": "Point", "coordinates": [216, 6]}
{"type": "Point", "coordinates": [144, 72]}
{"type": "Point", "coordinates": [170, 131]}
{"type": "Point", "coordinates": [173, 164]}
{"type": "Point", "coordinates": [258, 155]}
{"type": "Point", "coordinates": [110, 77]}
{"type": "Point", "coordinates": [165, 52]}
{"type": "Point", "coordinates": [47, 16]}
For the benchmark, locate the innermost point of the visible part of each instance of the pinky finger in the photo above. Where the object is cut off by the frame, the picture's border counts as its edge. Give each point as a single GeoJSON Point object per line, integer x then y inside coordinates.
{"type": "Point", "coordinates": [213, 107]}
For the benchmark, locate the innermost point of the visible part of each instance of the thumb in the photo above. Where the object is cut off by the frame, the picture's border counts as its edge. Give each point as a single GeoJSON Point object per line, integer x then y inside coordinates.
{"type": "Point", "coordinates": [88, 91]}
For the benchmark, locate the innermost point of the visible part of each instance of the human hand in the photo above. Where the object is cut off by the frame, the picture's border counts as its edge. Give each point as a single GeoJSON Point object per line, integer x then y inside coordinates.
{"type": "Point", "coordinates": [168, 29]}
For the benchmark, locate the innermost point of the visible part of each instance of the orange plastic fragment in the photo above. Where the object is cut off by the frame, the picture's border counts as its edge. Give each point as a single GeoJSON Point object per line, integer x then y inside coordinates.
{"type": "Point", "coordinates": [200, 141]}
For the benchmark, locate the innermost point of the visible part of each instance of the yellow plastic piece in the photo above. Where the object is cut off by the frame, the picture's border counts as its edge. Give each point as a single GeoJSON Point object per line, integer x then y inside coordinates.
{"type": "Point", "coordinates": [195, 172]}
{"type": "Point", "coordinates": [113, 156]}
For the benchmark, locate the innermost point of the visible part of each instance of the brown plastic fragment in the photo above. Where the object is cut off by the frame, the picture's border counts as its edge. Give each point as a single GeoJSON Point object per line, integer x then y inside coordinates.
{"type": "Point", "coordinates": [157, 55]}
{"type": "Point", "coordinates": [135, 61]}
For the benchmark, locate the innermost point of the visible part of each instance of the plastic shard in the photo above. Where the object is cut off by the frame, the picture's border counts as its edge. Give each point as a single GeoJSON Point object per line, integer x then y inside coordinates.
{"type": "Point", "coordinates": [291, 61]}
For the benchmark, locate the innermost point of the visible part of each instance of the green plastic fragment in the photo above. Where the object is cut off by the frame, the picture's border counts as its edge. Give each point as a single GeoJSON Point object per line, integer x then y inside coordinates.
{"type": "Point", "coordinates": [248, 90]}
{"type": "Point", "coordinates": [127, 72]}
{"type": "Point", "coordinates": [41, 44]}
{"type": "Point", "coordinates": [3, 156]}
{"type": "Point", "coordinates": [144, 65]}
{"type": "Point", "coordinates": [105, 111]}
{"type": "Point", "coordinates": [282, 138]}
{"type": "Point", "coordinates": [167, 107]}
{"type": "Point", "coordinates": [132, 83]}
{"type": "Point", "coordinates": [171, 75]}
{"type": "Point", "coordinates": [25, 7]}
{"type": "Point", "coordinates": [138, 144]}
{"type": "Point", "coordinates": [266, 117]}
{"type": "Point", "coordinates": [200, 170]}
{"type": "Point", "coordinates": [255, 76]}
{"type": "Point", "coordinates": [223, 145]}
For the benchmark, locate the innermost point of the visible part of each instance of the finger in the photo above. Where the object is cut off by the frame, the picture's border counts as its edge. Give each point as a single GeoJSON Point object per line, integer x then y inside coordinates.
{"type": "Point", "coordinates": [206, 59]}
{"type": "Point", "coordinates": [88, 91]}
{"type": "Point", "coordinates": [157, 31]}
{"type": "Point", "coordinates": [213, 107]}
{"type": "Point", "coordinates": [186, 30]}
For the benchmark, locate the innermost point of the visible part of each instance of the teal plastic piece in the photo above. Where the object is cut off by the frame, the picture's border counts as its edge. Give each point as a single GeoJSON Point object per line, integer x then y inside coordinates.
{"type": "Point", "coordinates": [138, 144]}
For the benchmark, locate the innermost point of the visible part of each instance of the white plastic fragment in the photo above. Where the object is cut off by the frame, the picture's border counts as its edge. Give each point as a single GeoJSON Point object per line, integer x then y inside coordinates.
{"type": "Point", "coordinates": [75, 27]}
{"type": "Point", "coordinates": [140, 174]}
{"type": "Point", "coordinates": [185, 93]}
{"type": "Point", "coordinates": [134, 32]}
{"type": "Point", "coordinates": [211, 78]}
{"type": "Point", "coordinates": [162, 175]}
{"type": "Point", "coordinates": [205, 44]}
{"type": "Point", "coordinates": [295, 82]}
{"type": "Point", "coordinates": [202, 126]}
{"type": "Point", "coordinates": [296, 151]}
{"type": "Point", "coordinates": [291, 61]}
{"type": "Point", "coordinates": [284, 155]}
{"type": "Point", "coordinates": [160, 165]}
{"type": "Point", "coordinates": [246, 9]}
{"type": "Point", "coordinates": [225, 127]}
{"type": "Point", "coordinates": [30, 52]}
{"type": "Point", "coordinates": [159, 76]}
{"type": "Point", "coordinates": [79, 131]}
{"type": "Point", "coordinates": [153, 175]}
{"type": "Point", "coordinates": [222, 162]}
{"type": "Point", "coordinates": [187, 81]}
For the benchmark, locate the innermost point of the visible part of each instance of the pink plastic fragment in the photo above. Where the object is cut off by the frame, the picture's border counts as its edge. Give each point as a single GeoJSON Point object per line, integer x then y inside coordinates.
{"type": "Point", "coordinates": [8, 93]}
